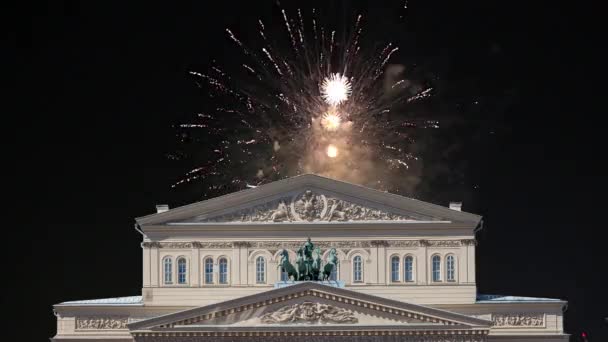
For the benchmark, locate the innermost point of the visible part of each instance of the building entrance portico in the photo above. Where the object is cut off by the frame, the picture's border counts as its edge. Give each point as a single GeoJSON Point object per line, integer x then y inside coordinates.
{"type": "Point", "coordinates": [312, 311]}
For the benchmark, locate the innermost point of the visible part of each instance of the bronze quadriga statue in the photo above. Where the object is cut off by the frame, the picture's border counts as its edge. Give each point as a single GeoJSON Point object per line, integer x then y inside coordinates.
{"type": "Point", "coordinates": [308, 265]}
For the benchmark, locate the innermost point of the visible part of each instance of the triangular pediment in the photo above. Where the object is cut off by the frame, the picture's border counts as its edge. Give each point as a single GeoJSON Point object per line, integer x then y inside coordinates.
{"type": "Point", "coordinates": [308, 199]}
{"type": "Point", "coordinates": [310, 304]}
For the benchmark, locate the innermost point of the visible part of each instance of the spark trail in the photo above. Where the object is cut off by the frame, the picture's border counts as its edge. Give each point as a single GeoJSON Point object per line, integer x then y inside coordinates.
{"type": "Point", "coordinates": [308, 99]}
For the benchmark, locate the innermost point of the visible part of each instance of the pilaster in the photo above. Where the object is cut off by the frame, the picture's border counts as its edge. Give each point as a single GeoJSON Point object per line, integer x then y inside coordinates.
{"type": "Point", "coordinates": [195, 267]}
{"type": "Point", "coordinates": [154, 271]}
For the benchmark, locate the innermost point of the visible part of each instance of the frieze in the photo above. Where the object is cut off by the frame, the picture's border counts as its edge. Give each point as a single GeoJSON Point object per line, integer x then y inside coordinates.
{"type": "Point", "coordinates": [293, 245]}
{"type": "Point", "coordinates": [192, 244]}
{"type": "Point", "coordinates": [425, 243]}
{"type": "Point", "coordinates": [403, 243]}
{"type": "Point", "coordinates": [152, 244]}
{"type": "Point", "coordinates": [443, 243]}
{"type": "Point", "coordinates": [310, 206]}
{"type": "Point", "coordinates": [309, 313]}
{"type": "Point", "coordinates": [101, 323]}
{"type": "Point", "coordinates": [379, 243]}
{"type": "Point", "coordinates": [469, 242]}
{"type": "Point", "coordinates": [277, 245]}
{"type": "Point", "coordinates": [518, 320]}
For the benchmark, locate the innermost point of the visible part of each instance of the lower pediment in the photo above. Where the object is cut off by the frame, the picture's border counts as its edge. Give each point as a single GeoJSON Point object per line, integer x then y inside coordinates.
{"type": "Point", "coordinates": [310, 306]}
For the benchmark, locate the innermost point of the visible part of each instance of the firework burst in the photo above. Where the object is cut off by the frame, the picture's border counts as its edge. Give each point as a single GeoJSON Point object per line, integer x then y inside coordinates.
{"type": "Point", "coordinates": [324, 105]}
{"type": "Point", "coordinates": [335, 89]}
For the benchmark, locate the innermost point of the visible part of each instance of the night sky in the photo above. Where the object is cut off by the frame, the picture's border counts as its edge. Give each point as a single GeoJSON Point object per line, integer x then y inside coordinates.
{"type": "Point", "coordinates": [103, 84]}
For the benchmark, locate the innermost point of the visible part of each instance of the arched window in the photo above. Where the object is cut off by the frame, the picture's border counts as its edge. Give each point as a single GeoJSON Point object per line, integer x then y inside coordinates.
{"type": "Point", "coordinates": [450, 266]}
{"type": "Point", "coordinates": [333, 276]}
{"type": "Point", "coordinates": [357, 269]}
{"type": "Point", "coordinates": [181, 271]}
{"type": "Point", "coordinates": [408, 268]}
{"type": "Point", "coordinates": [223, 271]}
{"type": "Point", "coordinates": [284, 275]}
{"type": "Point", "coordinates": [167, 270]}
{"type": "Point", "coordinates": [436, 268]}
{"type": "Point", "coordinates": [208, 271]}
{"type": "Point", "coordinates": [395, 269]}
{"type": "Point", "coordinates": [260, 270]}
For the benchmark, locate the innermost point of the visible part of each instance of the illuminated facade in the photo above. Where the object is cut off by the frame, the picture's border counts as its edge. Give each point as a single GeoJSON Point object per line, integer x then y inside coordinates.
{"type": "Point", "coordinates": [406, 272]}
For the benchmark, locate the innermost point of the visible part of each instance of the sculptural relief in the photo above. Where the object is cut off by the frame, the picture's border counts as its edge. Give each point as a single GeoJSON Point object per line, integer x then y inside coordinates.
{"type": "Point", "coordinates": [96, 323]}
{"type": "Point", "coordinates": [517, 320]}
{"type": "Point", "coordinates": [311, 207]}
{"type": "Point", "coordinates": [310, 313]}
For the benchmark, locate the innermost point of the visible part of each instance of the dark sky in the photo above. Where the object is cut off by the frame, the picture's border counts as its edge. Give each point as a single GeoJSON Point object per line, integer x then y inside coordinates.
{"type": "Point", "coordinates": [103, 83]}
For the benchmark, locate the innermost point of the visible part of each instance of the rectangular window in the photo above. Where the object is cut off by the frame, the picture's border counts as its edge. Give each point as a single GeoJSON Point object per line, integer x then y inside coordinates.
{"type": "Point", "coordinates": [451, 268]}
{"type": "Point", "coordinates": [409, 269]}
{"type": "Point", "coordinates": [223, 271]}
{"type": "Point", "coordinates": [260, 271]}
{"type": "Point", "coordinates": [357, 270]}
{"type": "Point", "coordinates": [168, 272]}
{"type": "Point", "coordinates": [395, 269]}
{"type": "Point", "coordinates": [209, 271]}
{"type": "Point", "coordinates": [181, 271]}
{"type": "Point", "coordinates": [436, 268]}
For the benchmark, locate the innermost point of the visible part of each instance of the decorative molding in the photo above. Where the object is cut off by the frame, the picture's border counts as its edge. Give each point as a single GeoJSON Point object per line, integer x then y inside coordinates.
{"type": "Point", "coordinates": [293, 245]}
{"type": "Point", "coordinates": [310, 313]}
{"type": "Point", "coordinates": [426, 243]}
{"type": "Point", "coordinates": [101, 323]}
{"type": "Point", "coordinates": [298, 335]}
{"type": "Point", "coordinates": [518, 320]}
{"type": "Point", "coordinates": [189, 245]}
{"type": "Point", "coordinates": [152, 244]}
{"type": "Point", "coordinates": [310, 206]}
{"type": "Point", "coordinates": [443, 243]}
{"type": "Point", "coordinates": [469, 242]}
{"type": "Point", "coordinates": [404, 243]}
{"type": "Point", "coordinates": [379, 243]}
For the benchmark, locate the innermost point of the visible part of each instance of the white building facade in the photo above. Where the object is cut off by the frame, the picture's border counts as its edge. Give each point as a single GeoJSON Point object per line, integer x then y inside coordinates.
{"type": "Point", "coordinates": [406, 272]}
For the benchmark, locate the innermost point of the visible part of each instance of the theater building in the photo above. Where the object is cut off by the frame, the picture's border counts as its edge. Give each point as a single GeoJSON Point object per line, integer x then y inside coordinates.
{"type": "Point", "coordinates": [406, 272]}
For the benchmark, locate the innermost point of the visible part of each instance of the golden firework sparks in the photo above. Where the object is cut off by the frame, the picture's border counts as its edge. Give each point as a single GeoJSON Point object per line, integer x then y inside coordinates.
{"type": "Point", "coordinates": [332, 151]}
{"type": "Point", "coordinates": [331, 121]}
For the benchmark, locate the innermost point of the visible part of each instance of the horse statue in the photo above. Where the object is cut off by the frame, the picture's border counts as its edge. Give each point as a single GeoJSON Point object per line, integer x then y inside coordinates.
{"type": "Point", "coordinates": [316, 264]}
{"type": "Point", "coordinates": [302, 266]}
{"type": "Point", "coordinates": [332, 262]}
{"type": "Point", "coordinates": [287, 266]}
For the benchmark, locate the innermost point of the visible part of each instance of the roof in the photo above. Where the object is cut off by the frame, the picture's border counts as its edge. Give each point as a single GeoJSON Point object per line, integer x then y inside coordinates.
{"type": "Point", "coordinates": [122, 301]}
{"type": "Point", "coordinates": [205, 212]}
{"type": "Point", "coordinates": [484, 298]}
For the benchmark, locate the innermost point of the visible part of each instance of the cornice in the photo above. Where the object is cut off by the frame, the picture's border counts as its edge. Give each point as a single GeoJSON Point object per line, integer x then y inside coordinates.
{"type": "Point", "coordinates": [293, 244]}
{"type": "Point", "coordinates": [422, 334]}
